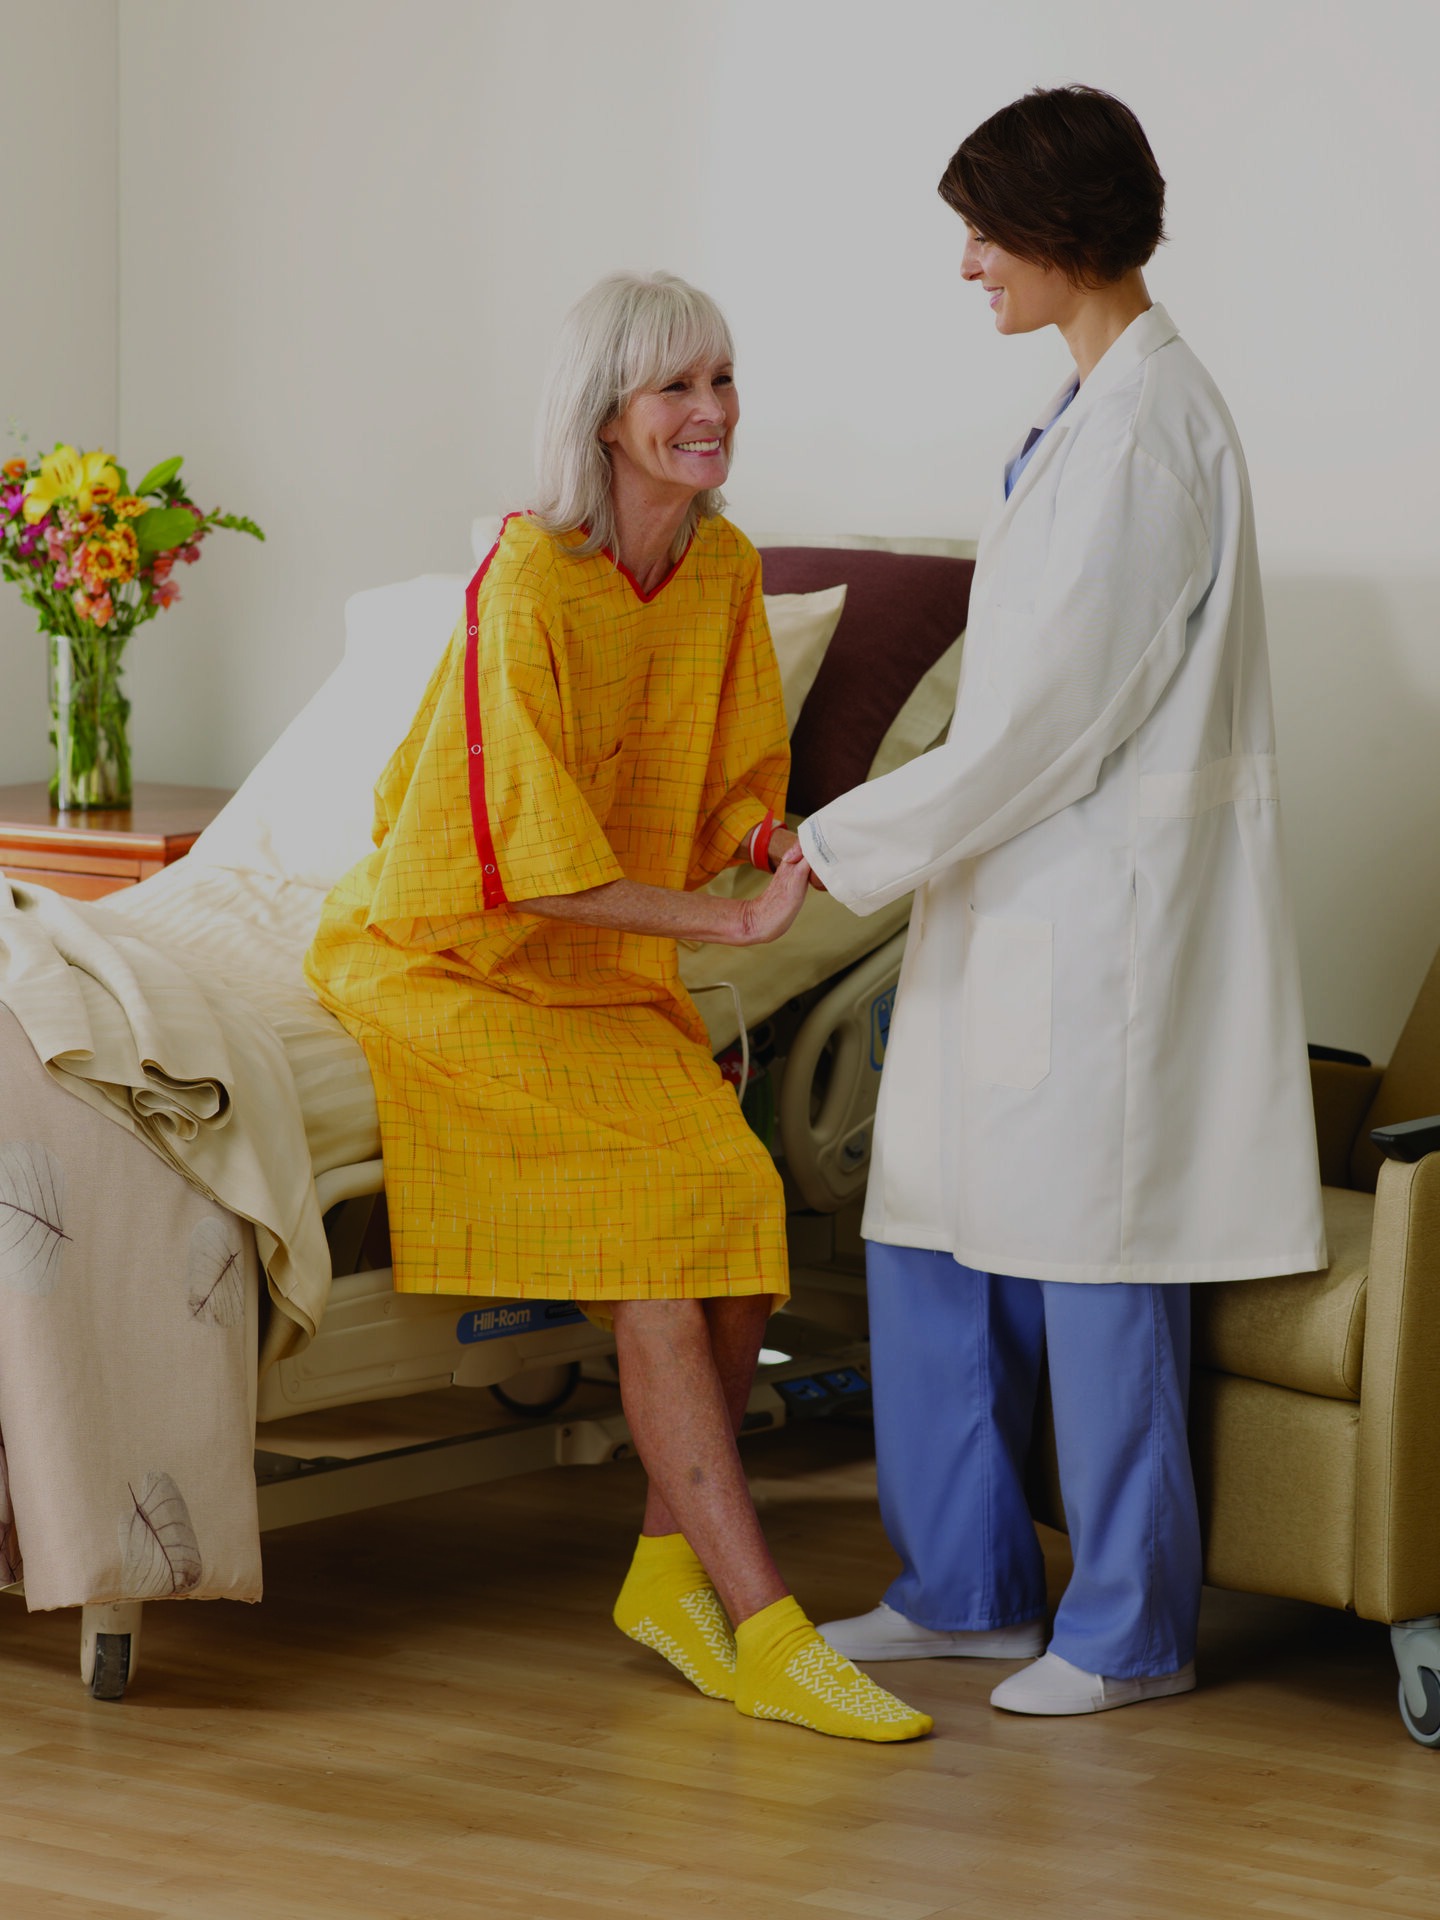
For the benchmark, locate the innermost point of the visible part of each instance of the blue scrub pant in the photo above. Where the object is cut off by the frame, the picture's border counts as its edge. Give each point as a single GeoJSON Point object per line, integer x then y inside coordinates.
{"type": "Point", "coordinates": [955, 1361]}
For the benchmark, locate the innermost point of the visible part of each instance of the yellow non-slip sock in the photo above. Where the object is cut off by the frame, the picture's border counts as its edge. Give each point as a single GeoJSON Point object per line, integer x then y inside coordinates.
{"type": "Point", "coordinates": [785, 1671]}
{"type": "Point", "coordinates": [668, 1603]}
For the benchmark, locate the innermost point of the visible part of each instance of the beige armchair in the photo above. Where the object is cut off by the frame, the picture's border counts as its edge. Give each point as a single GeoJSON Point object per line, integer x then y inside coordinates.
{"type": "Point", "coordinates": [1315, 1409]}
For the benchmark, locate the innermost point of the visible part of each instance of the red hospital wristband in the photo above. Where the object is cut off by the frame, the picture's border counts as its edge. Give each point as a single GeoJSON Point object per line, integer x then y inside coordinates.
{"type": "Point", "coordinates": [760, 844]}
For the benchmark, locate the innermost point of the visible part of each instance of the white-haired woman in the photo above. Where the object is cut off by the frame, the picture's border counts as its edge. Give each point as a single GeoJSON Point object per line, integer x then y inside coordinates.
{"type": "Point", "coordinates": [604, 734]}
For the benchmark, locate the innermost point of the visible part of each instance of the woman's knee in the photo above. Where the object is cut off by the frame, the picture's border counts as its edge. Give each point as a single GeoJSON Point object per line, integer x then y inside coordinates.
{"type": "Point", "coordinates": [664, 1322]}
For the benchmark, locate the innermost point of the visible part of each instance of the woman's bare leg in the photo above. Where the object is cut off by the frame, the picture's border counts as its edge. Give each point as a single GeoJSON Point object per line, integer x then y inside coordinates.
{"type": "Point", "coordinates": [685, 1380]}
{"type": "Point", "coordinates": [737, 1333]}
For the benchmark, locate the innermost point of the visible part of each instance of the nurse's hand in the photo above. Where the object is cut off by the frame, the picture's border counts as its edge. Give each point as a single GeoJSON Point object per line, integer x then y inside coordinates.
{"type": "Point", "coordinates": [781, 841]}
{"type": "Point", "coordinates": [773, 912]}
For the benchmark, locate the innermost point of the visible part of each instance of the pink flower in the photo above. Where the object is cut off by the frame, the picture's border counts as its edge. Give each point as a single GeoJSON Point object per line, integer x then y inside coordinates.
{"type": "Point", "coordinates": [95, 607]}
{"type": "Point", "coordinates": [190, 554]}
{"type": "Point", "coordinates": [10, 500]}
{"type": "Point", "coordinates": [165, 592]}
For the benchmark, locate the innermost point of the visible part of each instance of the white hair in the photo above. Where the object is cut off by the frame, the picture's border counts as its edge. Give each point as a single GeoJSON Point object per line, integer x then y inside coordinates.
{"type": "Point", "coordinates": [630, 331]}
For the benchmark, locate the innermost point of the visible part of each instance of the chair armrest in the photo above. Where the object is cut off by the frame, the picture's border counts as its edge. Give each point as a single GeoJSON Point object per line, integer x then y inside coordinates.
{"type": "Point", "coordinates": [1409, 1139]}
{"type": "Point", "coordinates": [1344, 1093]}
{"type": "Point", "coordinates": [1397, 1544]}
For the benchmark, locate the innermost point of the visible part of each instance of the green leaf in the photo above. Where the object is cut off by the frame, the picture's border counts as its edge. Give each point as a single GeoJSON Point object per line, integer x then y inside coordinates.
{"type": "Point", "coordinates": [238, 522]}
{"type": "Point", "coordinates": [164, 527]}
{"type": "Point", "coordinates": [157, 476]}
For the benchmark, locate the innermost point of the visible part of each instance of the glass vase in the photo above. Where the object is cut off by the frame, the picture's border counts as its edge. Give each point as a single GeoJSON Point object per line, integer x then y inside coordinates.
{"type": "Point", "coordinates": [89, 718]}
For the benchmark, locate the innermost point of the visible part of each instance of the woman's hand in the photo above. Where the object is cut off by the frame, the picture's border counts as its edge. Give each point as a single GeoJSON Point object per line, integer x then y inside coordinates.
{"type": "Point", "coordinates": [773, 912]}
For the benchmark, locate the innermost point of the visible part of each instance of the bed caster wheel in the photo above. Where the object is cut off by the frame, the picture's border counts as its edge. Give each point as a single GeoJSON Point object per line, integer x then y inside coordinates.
{"type": "Point", "coordinates": [543, 1390]}
{"type": "Point", "coordinates": [1417, 1654]}
{"type": "Point", "coordinates": [109, 1648]}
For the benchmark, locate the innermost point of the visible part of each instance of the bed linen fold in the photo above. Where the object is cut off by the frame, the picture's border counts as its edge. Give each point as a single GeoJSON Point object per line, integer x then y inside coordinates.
{"type": "Point", "coordinates": [152, 1039]}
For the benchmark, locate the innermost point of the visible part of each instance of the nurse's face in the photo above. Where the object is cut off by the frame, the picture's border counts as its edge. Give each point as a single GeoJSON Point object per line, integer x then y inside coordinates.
{"type": "Point", "coordinates": [1023, 294]}
{"type": "Point", "coordinates": [676, 439]}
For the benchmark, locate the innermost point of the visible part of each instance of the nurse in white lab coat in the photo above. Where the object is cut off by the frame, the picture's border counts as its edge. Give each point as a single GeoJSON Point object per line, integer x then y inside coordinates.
{"type": "Point", "coordinates": [1096, 1089]}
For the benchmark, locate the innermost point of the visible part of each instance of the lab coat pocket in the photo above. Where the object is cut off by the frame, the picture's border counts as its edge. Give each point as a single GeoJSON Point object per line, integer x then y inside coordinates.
{"type": "Point", "coordinates": [1008, 993]}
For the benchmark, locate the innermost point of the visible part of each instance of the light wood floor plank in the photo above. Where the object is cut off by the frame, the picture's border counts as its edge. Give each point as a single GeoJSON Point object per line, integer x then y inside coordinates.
{"type": "Point", "coordinates": [430, 1716]}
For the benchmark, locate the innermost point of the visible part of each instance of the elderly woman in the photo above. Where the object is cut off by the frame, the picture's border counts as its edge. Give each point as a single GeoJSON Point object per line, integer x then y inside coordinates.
{"type": "Point", "coordinates": [604, 734]}
{"type": "Point", "coordinates": [1096, 1091]}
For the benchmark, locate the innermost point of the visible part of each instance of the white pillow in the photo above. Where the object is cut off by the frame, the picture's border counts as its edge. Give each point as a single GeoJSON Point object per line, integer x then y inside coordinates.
{"type": "Point", "coordinates": [306, 810]}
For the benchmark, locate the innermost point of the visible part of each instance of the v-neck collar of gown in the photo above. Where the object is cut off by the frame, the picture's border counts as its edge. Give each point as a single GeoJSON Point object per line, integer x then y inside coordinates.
{"type": "Point", "coordinates": [660, 586]}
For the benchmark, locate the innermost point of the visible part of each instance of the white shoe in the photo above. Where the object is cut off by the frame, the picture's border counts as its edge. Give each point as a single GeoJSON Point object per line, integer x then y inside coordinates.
{"type": "Point", "coordinates": [884, 1634]}
{"type": "Point", "coordinates": [1052, 1685]}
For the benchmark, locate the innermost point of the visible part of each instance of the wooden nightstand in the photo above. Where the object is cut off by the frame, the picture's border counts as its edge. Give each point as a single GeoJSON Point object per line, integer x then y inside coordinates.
{"type": "Point", "coordinates": [86, 854]}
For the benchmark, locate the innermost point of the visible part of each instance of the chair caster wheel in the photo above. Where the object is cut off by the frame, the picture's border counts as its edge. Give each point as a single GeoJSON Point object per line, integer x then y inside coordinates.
{"type": "Point", "coordinates": [1417, 1654]}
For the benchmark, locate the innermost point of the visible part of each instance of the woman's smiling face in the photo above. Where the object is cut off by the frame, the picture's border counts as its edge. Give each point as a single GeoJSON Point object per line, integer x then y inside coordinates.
{"type": "Point", "coordinates": [677, 438]}
{"type": "Point", "coordinates": [1023, 294]}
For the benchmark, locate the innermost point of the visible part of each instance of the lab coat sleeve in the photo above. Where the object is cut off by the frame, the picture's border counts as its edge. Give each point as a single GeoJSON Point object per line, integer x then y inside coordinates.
{"type": "Point", "coordinates": [1053, 688]}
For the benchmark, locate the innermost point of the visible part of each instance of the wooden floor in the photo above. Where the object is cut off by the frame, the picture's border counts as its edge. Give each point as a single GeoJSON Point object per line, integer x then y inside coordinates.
{"type": "Point", "coordinates": [430, 1716]}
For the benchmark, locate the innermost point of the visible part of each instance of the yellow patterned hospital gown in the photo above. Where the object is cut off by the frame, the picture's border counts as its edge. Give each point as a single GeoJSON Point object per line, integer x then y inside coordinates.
{"type": "Point", "coordinates": [552, 1121]}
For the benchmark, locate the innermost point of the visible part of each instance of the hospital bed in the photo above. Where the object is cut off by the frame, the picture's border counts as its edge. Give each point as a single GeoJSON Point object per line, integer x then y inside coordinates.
{"type": "Point", "coordinates": [868, 632]}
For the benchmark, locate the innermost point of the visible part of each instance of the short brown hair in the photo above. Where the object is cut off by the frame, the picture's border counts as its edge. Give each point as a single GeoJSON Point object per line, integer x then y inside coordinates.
{"type": "Point", "coordinates": [1064, 177]}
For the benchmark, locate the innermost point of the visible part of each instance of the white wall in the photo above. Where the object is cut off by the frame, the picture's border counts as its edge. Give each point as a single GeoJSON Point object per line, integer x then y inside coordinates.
{"type": "Point", "coordinates": [349, 232]}
{"type": "Point", "coordinates": [57, 289]}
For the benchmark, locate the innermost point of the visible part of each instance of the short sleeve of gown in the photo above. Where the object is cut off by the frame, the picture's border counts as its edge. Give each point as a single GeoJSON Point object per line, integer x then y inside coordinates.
{"type": "Point", "coordinates": [749, 765]}
{"type": "Point", "coordinates": [477, 809]}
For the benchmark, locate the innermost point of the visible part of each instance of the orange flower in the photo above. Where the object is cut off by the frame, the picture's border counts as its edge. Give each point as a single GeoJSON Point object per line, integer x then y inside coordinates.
{"type": "Point", "coordinates": [111, 556]}
{"type": "Point", "coordinates": [13, 469]}
{"type": "Point", "coordinates": [128, 506]}
{"type": "Point", "coordinates": [98, 608]}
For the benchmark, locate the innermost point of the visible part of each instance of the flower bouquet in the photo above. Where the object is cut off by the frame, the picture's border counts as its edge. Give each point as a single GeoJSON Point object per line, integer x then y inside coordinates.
{"type": "Point", "coordinates": [95, 558]}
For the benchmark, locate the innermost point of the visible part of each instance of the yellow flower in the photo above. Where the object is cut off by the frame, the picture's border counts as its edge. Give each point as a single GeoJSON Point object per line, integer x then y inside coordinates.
{"type": "Point", "coordinates": [89, 479]}
{"type": "Point", "coordinates": [99, 482]}
{"type": "Point", "coordinates": [127, 549]}
{"type": "Point", "coordinates": [59, 476]}
{"type": "Point", "coordinates": [128, 506]}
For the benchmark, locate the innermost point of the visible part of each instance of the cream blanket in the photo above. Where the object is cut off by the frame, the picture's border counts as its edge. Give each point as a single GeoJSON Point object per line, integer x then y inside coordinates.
{"type": "Point", "coordinates": [128, 1307]}
{"type": "Point", "coordinates": [149, 1037]}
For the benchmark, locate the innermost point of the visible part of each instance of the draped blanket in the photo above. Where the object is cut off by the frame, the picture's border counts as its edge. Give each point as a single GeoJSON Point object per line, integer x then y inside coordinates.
{"type": "Point", "coordinates": [159, 1045]}
{"type": "Point", "coordinates": [128, 1295]}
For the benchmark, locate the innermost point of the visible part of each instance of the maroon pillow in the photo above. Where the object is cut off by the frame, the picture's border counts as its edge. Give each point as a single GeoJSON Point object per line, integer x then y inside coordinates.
{"type": "Point", "coordinates": [902, 610]}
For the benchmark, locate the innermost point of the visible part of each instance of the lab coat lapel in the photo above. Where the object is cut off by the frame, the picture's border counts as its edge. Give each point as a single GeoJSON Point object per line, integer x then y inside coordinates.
{"type": "Point", "coordinates": [1139, 340]}
{"type": "Point", "coordinates": [1045, 452]}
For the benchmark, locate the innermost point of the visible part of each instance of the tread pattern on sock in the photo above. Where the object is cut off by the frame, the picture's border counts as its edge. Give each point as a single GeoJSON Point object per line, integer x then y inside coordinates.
{"type": "Point", "coordinates": [838, 1684]}
{"type": "Point", "coordinates": [651, 1634]}
{"type": "Point", "coordinates": [762, 1712]}
{"type": "Point", "coordinates": [704, 1608]}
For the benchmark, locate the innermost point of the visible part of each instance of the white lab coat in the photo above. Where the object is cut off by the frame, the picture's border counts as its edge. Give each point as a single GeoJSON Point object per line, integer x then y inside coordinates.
{"type": "Point", "coordinates": [1096, 1067]}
